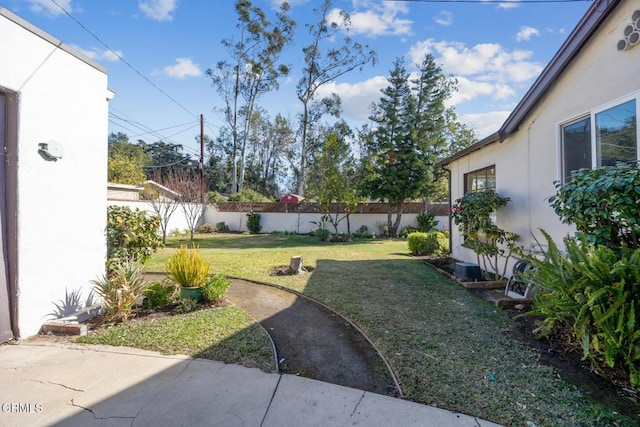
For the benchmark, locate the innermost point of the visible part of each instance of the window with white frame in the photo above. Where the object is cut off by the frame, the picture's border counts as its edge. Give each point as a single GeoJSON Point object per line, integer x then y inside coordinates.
{"type": "Point", "coordinates": [481, 179]}
{"type": "Point", "coordinates": [604, 137]}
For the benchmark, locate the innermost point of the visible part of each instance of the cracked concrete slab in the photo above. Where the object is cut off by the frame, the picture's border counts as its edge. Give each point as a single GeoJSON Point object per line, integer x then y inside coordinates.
{"type": "Point", "coordinates": [71, 385]}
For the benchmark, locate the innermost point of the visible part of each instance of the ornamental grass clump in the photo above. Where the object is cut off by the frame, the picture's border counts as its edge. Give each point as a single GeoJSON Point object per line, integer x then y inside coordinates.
{"type": "Point", "coordinates": [187, 268]}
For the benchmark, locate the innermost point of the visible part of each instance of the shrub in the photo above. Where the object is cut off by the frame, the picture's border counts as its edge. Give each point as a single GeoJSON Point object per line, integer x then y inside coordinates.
{"type": "Point", "coordinates": [594, 291]}
{"type": "Point", "coordinates": [366, 235]}
{"type": "Point", "coordinates": [206, 228]}
{"type": "Point", "coordinates": [323, 234]}
{"type": "Point", "coordinates": [186, 305]}
{"type": "Point", "coordinates": [472, 214]}
{"type": "Point", "coordinates": [426, 222]}
{"type": "Point", "coordinates": [603, 204]}
{"type": "Point", "coordinates": [120, 289]}
{"type": "Point", "coordinates": [158, 294]}
{"type": "Point", "coordinates": [408, 230]}
{"type": "Point", "coordinates": [187, 268]}
{"type": "Point", "coordinates": [253, 222]}
{"type": "Point", "coordinates": [215, 287]}
{"type": "Point", "coordinates": [131, 235]}
{"type": "Point", "coordinates": [428, 243]}
{"type": "Point", "coordinates": [222, 227]}
{"type": "Point", "coordinates": [361, 230]}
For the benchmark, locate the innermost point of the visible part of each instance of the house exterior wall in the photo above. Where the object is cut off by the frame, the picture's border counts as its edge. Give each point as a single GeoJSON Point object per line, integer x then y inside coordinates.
{"type": "Point", "coordinates": [61, 205]}
{"type": "Point", "coordinates": [528, 161]}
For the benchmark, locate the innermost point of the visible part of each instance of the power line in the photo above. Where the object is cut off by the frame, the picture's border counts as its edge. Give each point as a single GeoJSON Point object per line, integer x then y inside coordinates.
{"type": "Point", "coordinates": [124, 61]}
{"type": "Point", "coordinates": [494, 1]}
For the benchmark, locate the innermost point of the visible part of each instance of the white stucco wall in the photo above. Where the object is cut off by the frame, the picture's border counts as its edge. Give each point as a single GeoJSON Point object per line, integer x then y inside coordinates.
{"type": "Point", "coordinates": [304, 223]}
{"type": "Point", "coordinates": [61, 204]}
{"type": "Point", "coordinates": [528, 162]}
{"type": "Point", "coordinates": [276, 221]}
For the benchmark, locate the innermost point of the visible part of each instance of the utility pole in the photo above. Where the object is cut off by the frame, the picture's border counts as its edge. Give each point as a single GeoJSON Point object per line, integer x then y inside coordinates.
{"type": "Point", "coordinates": [202, 157]}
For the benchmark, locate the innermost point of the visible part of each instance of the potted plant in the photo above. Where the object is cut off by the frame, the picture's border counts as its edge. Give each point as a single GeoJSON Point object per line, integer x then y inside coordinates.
{"type": "Point", "coordinates": [187, 268]}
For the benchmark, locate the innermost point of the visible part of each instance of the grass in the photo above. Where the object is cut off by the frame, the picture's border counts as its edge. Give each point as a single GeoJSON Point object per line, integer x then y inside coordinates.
{"type": "Point", "coordinates": [448, 348]}
{"type": "Point", "coordinates": [226, 334]}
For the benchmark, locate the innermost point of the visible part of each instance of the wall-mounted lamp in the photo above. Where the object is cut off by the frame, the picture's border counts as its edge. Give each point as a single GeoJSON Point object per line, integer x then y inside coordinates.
{"type": "Point", "coordinates": [51, 150]}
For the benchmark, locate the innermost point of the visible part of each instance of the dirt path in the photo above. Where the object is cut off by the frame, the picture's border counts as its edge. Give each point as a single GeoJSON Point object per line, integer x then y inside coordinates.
{"type": "Point", "coordinates": [311, 341]}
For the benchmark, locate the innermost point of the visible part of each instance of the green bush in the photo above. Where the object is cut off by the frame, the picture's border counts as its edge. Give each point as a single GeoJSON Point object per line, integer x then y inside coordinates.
{"type": "Point", "coordinates": [187, 268]}
{"type": "Point", "coordinates": [186, 305]}
{"type": "Point", "coordinates": [603, 204]}
{"type": "Point", "coordinates": [253, 222]}
{"type": "Point", "coordinates": [433, 242]}
{"type": "Point", "coordinates": [215, 287]}
{"type": "Point", "coordinates": [408, 230]}
{"type": "Point", "coordinates": [206, 228]}
{"type": "Point", "coordinates": [158, 294]}
{"type": "Point", "coordinates": [222, 227]}
{"type": "Point", "coordinates": [323, 234]}
{"type": "Point", "coordinates": [120, 289]}
{"type": "Point", "coordinates": [472, 214]}
{"type": "Point", "coordinates": [426, 222]}
{"type": "Point", "coordinates": [131, 235]}
{"type": "Point", "coordinates": [594, 292]}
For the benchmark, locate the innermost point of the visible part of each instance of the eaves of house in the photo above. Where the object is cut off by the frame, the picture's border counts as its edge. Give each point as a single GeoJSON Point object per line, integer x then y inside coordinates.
{"type": "Point", "coordinates": [579, 37]}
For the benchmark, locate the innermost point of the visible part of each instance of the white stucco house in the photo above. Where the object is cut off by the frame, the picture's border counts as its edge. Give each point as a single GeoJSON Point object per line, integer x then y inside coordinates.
{"type": "Point", "coordinates": [591, 85]}
{"type": "Point", "coordinates": [53, 127]}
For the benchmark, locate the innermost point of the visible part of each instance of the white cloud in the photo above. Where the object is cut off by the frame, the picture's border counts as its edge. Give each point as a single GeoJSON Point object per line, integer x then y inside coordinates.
{"type": "Point", "coordinates": [445, 18]}
{"type": "Point", "coordinates": [356, 98]}
{"type": "Point", "coordinates": [469, 90]}
{"type": "Point", "coordinates": [184, 68]}
{"type": "Point", "coordinates": [158, 10]}
{"type": "Point", "coordinates": [509, 5]}
{"type": "Point", "coordinates": [526, 33]}
{"type": "Point", "coordinates": [277, 3]}
{"type": "Point", "coordinates": [486, 61]}
{"type": "Point", "coordinates": [47, 7]}
{"type": "Point", "coordinates": [99, 54]}
{"type": "Point", "coordinates": [484, 123]}
{"type": "Point", "coordinates": [377, 20]}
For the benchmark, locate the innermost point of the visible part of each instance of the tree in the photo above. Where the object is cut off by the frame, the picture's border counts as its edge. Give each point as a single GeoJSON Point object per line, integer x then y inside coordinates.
{"type": "Point", "coordinates": [409, 137]}
{"type": "Point", "coordinates": [333, 185]}
{"type": "Point", "coordinates": [166, 157]}
{"type": "Point", "coordinates": [190, 198]}
{"type": "Point", "coordinates": [164, 205]}
{"type": "Point", "coordinates": [253, 71]}
{"type": "Point", "coordinates": [124, 170]}
{"type": "Point", "coordinates": [321, 68]}
{"type": "Point", "coordinates": [126, 160]}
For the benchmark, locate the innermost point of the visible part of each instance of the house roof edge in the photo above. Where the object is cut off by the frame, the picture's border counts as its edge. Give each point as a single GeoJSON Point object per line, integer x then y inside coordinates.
{"type": "Point", "coordinates": [48, 37]}
{"type": "Point", "coordinates": [583, 31]}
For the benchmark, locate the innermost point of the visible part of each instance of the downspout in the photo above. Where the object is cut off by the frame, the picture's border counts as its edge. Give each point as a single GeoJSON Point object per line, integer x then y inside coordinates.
{"type": "Point", "coordinates": [448, 171]}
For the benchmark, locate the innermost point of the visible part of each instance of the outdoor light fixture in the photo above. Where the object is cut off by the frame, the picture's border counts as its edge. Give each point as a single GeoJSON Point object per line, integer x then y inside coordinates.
{"type": "Point", "coordinates": [51, 150]}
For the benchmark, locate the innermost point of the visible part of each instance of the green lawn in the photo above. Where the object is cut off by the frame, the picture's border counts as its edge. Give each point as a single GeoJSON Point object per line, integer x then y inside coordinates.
{"type": "Point", "coordinates": [225, 334]}
{"type": "Point", "coordinates": [448, 348]}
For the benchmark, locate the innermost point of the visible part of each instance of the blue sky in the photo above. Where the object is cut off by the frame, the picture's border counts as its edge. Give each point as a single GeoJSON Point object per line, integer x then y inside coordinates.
{"type": "Point", "coordinates": [494, 50]}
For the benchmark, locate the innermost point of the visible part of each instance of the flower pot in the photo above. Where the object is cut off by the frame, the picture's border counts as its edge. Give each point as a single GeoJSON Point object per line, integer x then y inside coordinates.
{"type": "Point", "coordinates": [195, 293]}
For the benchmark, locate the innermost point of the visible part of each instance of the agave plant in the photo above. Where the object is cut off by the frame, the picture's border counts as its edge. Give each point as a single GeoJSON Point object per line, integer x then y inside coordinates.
{"type": "Point", "coordinates": [121, 289]}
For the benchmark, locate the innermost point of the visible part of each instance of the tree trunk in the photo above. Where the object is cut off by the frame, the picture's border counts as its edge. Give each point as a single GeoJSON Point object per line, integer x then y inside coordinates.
{"type": "Point", "coordinates": [295, 265]}
{"type": "Point", "coordinates": [303, 149]}
{"type": "Point", "coordinates": [396, 224]}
